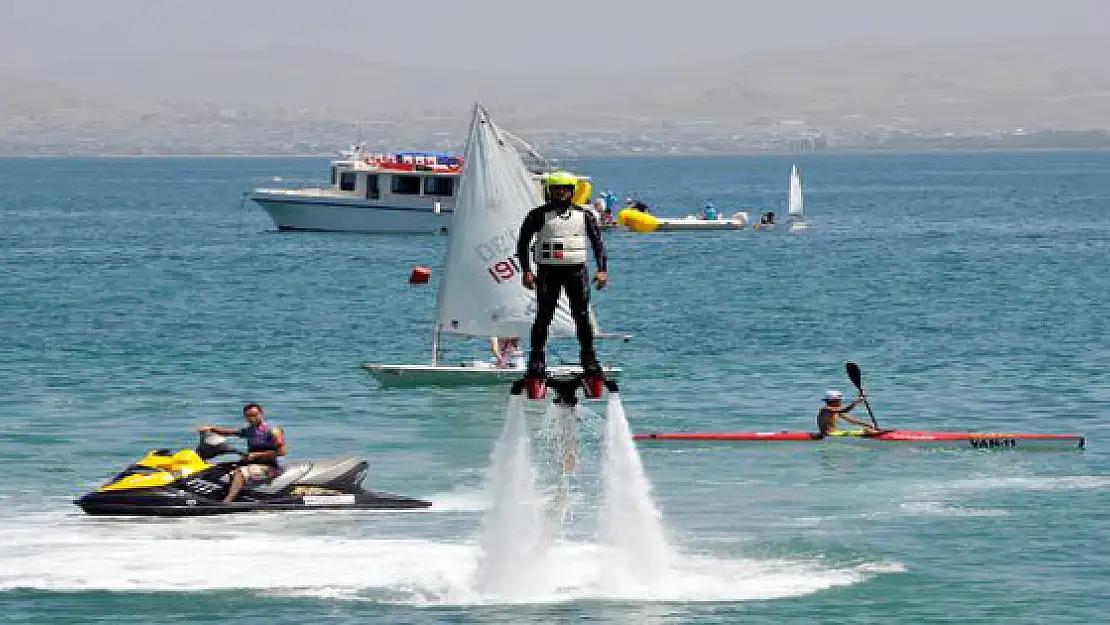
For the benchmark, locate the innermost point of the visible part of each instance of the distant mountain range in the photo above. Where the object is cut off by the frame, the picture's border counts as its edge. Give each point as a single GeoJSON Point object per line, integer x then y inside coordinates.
{"type": "Point", "coordinates": [307, 101]}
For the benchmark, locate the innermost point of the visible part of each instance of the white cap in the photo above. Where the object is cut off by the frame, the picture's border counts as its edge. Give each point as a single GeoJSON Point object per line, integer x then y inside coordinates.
{"type": "Point", "coordinates": [833, 395]}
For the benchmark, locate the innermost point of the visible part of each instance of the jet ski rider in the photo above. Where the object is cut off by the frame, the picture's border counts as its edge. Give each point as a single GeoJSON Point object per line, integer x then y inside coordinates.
{"type": "Point", "coordinates": [265, 443]}
{"type": "Point", "coordinates": [561, 230]}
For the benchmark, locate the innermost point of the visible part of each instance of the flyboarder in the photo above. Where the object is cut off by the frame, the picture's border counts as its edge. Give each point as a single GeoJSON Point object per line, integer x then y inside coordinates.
{"type": "Point", "coordinates": [561, 230]}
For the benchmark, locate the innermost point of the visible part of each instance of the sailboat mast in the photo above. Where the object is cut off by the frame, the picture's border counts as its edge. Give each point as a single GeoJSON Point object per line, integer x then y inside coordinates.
{"type": "Point", "coordinates": [435, 321]}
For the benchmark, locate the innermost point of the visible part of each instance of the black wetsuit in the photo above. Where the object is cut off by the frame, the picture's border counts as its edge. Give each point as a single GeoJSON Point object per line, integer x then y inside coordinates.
{"type": "Point", "coordinates": [551, 279]}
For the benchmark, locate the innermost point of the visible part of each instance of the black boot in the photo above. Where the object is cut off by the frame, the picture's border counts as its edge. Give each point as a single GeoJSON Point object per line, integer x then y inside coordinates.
{"type": "Point", "coordinates": [537, 366]}
{"type": "Point", "coordinates": [590, 366]}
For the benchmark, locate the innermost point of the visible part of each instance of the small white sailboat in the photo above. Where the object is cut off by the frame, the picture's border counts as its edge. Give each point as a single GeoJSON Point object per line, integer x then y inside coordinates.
{"type": "Point", "coordinates": [481, 294]}
{"type": "Point", "coordinates": [794, 203]}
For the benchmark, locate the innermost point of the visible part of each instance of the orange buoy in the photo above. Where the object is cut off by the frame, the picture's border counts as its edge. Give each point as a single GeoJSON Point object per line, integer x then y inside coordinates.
{"type": "Point", "coordinates": [420, 274]}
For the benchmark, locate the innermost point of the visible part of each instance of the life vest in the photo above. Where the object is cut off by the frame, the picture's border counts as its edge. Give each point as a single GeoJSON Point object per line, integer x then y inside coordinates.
{"type": "Point", "coordinates": [261, 437]}
{"type": "Point", "coordinates": [562, 239]}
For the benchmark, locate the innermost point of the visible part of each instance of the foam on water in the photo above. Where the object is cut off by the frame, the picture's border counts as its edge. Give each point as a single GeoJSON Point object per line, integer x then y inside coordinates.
{"type": "Point", "coordinates": [1031, 483]}
{"type": "Point", "coordinates": [67, 552]}
{"type": "Point", "coordinates": [459, 501]}
{"type": "Point", "coordinates": [942, 508]}
{"type": "Point", "coordinates": [513, 557]}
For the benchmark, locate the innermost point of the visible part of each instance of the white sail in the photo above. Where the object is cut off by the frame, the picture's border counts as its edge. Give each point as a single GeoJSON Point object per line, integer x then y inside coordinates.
{"type": "Point", "coordinates": [795, 202]}
{"type": "Point", "coordinates": [482, 293]}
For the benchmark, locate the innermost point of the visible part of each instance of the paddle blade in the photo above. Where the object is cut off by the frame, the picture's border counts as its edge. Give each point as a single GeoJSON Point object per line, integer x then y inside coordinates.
{"type": "Point", "coordinates": [854, 374]}
{"type": "Point", "coordinates": [856, 377]}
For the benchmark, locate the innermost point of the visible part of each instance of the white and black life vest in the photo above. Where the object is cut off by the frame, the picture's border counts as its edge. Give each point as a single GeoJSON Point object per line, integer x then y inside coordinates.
{"type": "Point", "coordinates": [562, 239]}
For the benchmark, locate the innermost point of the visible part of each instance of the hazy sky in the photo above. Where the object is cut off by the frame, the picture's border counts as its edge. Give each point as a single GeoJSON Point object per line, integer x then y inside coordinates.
{"type": "Point", "coordinates": [517, 34]}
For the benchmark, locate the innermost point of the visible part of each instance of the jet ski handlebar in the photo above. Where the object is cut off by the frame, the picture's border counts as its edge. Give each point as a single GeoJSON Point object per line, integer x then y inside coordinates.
{"type": "Point", "coordinates": [212, 445]}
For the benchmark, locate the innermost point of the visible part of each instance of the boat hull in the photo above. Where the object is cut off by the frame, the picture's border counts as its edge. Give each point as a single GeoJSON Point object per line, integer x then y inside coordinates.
{"type": "Point", "coordinates": [678, 224]}
{"type": "Point", "coordinates": [408, 376]}
{"type": "Point", "coordinates": [177, 503]}
{"type": "Point", "coordinates": [638, 221]}
{"type": "Point", "coordinates": [340, 215]}
{"type": "Point", "coordinates": [932, 440]}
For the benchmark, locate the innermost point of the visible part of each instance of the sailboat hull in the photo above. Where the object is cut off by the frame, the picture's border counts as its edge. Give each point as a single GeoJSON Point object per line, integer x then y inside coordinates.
{"type": "Point", "coordinates": [412, 376]}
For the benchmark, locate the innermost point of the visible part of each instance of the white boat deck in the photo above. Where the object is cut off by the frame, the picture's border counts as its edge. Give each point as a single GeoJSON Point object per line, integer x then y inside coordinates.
{"type": "Point", "coordinates": [317, 192]}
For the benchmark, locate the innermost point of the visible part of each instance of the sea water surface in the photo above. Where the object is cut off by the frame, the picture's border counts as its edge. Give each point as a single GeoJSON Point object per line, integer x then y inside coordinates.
{"type": "Point", "coordinates": [141, 297]}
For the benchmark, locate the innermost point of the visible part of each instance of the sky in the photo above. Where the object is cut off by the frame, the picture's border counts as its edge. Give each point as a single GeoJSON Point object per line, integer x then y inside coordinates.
{"type": "Point", "coordinates": [516, 35]}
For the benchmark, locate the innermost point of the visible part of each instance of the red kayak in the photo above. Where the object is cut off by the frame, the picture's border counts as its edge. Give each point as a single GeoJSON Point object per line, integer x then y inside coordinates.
{"type": "Point", "coordinates": [942, 440]}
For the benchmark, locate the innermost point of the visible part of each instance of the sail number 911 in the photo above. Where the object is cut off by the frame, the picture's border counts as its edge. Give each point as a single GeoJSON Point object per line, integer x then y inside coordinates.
{"type": "Point", "coordinates": [504, 270]}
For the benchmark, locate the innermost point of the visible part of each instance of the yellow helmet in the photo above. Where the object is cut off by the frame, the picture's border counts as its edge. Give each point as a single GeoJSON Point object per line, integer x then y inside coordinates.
{"type": "Point", "coordinates": [561, 179]}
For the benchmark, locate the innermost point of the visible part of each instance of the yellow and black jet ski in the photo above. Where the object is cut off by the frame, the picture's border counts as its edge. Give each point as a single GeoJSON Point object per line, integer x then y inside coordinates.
{"type": "Point", "coordinates": [185, 483]}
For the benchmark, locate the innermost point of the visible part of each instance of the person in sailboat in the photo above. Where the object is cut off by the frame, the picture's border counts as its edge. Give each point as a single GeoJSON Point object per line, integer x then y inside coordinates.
{"type": "Point", "coordinates": [561, 230]}
{"type": "Point", "coordinates": [710, 213]}
{"type": "Point", "coordinates": [506, 349]}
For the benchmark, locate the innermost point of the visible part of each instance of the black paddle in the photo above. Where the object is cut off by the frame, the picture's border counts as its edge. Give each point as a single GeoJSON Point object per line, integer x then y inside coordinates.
{"type": "Point", "coordinates": [856, 377]}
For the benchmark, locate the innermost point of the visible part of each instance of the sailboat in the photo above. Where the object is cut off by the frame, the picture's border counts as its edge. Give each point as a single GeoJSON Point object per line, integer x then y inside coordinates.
{"type": "Point", "coordinates": [794, 203]}
{"type": "Point", "coordinates": [481, 293]}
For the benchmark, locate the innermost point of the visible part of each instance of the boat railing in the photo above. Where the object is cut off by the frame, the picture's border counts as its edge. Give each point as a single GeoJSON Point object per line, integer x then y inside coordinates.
{"type": "Point", "coordinates": [306, 191]}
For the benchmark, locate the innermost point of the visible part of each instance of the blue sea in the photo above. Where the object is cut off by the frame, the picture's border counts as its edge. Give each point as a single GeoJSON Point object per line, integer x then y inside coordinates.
{"type": "Point", "coordinates": [140, 298]}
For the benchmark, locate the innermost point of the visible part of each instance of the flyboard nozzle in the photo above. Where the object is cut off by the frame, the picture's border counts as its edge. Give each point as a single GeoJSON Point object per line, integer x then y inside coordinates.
{"type": "Point", "coordinates": [592, 386]}
{"type": "Point", "coordinates": [537, 388]}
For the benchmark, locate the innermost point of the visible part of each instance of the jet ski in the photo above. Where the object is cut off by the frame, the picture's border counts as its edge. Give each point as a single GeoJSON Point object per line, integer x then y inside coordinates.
{"type": "Point", "coordinates": [185, 483]}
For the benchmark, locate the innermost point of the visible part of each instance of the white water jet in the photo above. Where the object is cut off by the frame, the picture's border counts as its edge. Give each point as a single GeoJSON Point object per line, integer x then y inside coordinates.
{"type": "Point", "coordinates": [512, 527]}
{"type": "Point", "coordinates": [525, 522]}
{"type": "Point", "coordinates": [561, 445]}
{"type": "Point", "coordinates": [629, 521]}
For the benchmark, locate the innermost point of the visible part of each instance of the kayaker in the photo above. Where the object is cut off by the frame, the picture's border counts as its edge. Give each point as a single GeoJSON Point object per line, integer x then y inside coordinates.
{"type": "Point", "coordinates": [832, 410]}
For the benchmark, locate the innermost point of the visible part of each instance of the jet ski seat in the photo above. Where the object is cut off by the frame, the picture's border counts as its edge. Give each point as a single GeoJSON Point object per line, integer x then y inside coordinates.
{"type": "Point", "coordinates": [314, 473]}
{"type": "Point", "coordinates": [290, 476]}
{"type": "Point", "coordinates": [326, 470]}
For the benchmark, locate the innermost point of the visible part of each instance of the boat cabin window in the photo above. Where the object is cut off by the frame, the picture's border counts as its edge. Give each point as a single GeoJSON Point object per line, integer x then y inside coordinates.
{"type": "Point", "coordinates": [334, 175]}
{"type": "Point", "coordinates": [439, 186]}
{"type": "Point", "coordinates": [405, 185]}
{"type": "Point", "coordinates": [347, 181]}
{"type": "Point", "coordinates": [372, 191]}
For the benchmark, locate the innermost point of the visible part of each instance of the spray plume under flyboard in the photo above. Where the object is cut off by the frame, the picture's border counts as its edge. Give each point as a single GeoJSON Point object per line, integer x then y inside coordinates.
{"type": "Point", "coordinates": [526, 518]}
